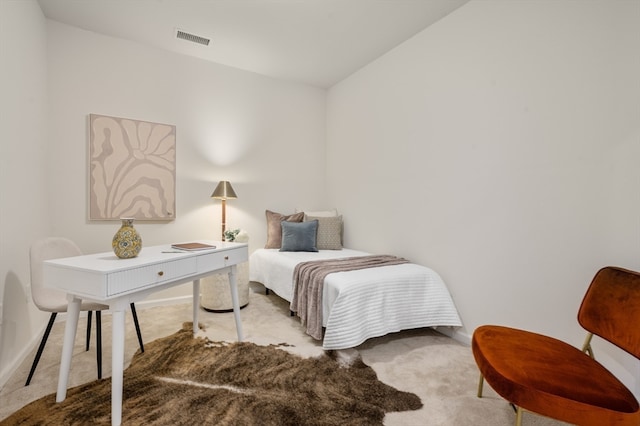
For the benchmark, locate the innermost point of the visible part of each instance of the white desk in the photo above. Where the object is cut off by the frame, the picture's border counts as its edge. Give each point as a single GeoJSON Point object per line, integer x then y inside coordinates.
{"type": "Point", "coordinates": [105, 278]}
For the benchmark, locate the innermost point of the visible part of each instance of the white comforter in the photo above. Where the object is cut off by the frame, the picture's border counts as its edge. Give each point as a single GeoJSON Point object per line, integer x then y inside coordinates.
{"type": "Point", "coordinates": [358, 305]}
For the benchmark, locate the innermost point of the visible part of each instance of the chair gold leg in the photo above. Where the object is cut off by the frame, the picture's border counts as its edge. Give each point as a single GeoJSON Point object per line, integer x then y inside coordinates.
{"type": "Point", "coordinates": [480, 383]}
{"type": "Point", "coordinates": [519, 417]}
{"type": "Point", "coordinates": [586, 347]}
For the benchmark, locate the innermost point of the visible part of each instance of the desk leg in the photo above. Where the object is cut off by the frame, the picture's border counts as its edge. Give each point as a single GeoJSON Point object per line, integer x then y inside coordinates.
{"type": "Point", "coordinates": [233, 286]}
{"type": "Point", "coordinates": [117, 365]}
{"type": "Point", "coordinates": [196, 305]}
{"type": "Point", "coordinates": [73, 311]}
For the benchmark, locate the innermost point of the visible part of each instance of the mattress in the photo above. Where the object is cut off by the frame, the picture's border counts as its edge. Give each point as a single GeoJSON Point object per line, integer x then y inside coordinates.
{"type": "Point", "coordinates": [359, 305]}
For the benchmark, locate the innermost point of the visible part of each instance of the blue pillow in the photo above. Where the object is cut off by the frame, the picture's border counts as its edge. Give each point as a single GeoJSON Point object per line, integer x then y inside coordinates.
{"type": "Point", "coordinates": [299, 236]}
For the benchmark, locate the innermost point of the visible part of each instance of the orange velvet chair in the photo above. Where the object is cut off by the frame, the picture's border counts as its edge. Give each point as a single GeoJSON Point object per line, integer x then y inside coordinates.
{"type": "Point", "coordinates": [549, 377]}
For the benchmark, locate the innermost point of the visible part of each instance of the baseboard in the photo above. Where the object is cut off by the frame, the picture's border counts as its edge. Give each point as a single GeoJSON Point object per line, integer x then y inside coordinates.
{"type": "Point", "coordinates": [152, 303]}
{"type": "Point", "coordinates": [456, 334]}
{"type": "Point", "coordinates": [12, 365]}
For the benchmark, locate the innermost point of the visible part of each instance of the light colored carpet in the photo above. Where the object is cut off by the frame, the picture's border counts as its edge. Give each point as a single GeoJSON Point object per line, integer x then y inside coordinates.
{"type": "Point", "coordinates": [436, 368]}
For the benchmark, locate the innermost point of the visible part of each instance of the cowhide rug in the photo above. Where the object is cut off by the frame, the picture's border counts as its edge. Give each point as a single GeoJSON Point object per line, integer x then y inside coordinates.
{"type": "Point", "coordinates": [182, 380]}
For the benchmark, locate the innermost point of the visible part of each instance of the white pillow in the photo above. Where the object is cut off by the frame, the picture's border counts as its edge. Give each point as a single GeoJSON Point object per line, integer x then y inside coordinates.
{"type": "Point", "coordinates": [319, 213]}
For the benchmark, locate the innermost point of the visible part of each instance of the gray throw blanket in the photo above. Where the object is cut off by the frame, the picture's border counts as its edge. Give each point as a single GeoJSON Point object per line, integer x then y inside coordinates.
{"type": "Point", "coordinates": [308, 282]}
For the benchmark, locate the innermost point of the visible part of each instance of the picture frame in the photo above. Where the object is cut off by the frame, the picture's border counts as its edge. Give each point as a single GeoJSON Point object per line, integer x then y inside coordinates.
{"type": "Point", "coordinates": [132, 169]}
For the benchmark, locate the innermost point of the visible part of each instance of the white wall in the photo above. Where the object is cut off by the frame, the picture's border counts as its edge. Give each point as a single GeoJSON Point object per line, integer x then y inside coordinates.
{"type": "Point", "coordinates": [500, 147]}
{"type": "Point", "coordinates": [23, 171]}
{"type": "Point", "coordinates": [263, 135]}
{"type": "Point", "coordinates": [266, 136]}
{"type": "Point", "coordinates": [231, 125]}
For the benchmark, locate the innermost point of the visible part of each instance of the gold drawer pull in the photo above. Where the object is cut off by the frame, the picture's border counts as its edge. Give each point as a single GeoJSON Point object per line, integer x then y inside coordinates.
{"type": "Point", "coordinates": [161, 273]}
{"type": "Point", "coordinates": [226, 258]}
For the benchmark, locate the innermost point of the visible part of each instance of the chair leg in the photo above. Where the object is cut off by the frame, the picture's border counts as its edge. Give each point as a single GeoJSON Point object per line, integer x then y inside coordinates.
{"type": "Point", "coordinates": [88, 330]}
{"type": "Point", "coordinates": [518, 409]}
{"type": "Point", "coordinates": [519, 417]}
{"type": "Point", "coordinates": [99, 342]}
{"type": "Point", "coordinates": [52, 318]}
{"type": "Point", "coordinates": [135, 321]}
{"type": "Point", "coordinates": [480, 385]}
{"type": "Point", "coordinates": [586, 347]}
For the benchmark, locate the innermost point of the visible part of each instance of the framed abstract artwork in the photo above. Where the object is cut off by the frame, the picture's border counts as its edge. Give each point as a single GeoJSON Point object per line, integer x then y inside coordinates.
{"type": "Point", "coordinates": [132, 169]}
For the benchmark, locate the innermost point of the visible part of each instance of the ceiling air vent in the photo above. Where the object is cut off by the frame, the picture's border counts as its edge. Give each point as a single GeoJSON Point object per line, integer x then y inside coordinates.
{"type": "Point", "coordinates": [191, 37]}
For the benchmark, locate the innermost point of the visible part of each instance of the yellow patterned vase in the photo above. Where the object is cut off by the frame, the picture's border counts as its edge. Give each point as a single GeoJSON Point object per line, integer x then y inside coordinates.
{"type": "Point", "coordinates": [127, 242]}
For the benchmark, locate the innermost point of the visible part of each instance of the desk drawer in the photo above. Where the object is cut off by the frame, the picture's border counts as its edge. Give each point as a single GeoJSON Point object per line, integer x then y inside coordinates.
{"type": "Point", "coordinates": [123, 281]}
{"type": "Point", "coordinates": [213, 261]}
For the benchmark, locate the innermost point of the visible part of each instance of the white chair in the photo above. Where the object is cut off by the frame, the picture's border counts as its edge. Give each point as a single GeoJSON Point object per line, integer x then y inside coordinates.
{"type": "Point", "coordinates": [54, 301]}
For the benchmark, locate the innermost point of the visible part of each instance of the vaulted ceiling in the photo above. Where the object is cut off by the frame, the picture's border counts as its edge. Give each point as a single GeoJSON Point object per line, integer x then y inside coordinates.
{"type": "Point", "coordinates": [317, 42]}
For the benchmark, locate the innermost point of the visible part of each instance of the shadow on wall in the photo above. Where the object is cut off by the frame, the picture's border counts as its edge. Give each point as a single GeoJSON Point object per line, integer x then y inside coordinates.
{"type": "Point", "coordinates": [14, 319]}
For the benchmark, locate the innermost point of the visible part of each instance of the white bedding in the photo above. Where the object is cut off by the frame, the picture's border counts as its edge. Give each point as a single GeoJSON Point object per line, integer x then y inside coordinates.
{"type": "Point", "coordinates": [358, 305]}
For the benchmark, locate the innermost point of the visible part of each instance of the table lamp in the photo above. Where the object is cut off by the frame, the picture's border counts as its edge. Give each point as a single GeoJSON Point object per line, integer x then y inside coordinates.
{"type": "Point", "coordinates": [224, 191]}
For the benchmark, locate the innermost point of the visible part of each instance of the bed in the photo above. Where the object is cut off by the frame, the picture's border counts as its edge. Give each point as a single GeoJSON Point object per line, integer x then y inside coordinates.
{"type": "Point", "coordinates": [349, 306]}
{"type": "Point", "coordinates": [358, 305]}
